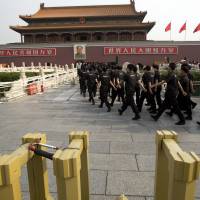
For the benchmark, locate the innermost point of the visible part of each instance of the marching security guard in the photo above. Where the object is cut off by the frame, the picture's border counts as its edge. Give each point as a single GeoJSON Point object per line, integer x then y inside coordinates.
{"type": "Point", "coordinates": [83, 79]}
{"type": "Point", "coordinates": [105, 83]}
{"type": "Point", "coordinates": [131, 80]}
{"type": "Point", "coordinates": [147, 80]}
{"type": "Point", "coordinates": [171, 96]}
{"type": "Point", "coordinates": [191, 79]}
{"type": "Point", "coordinates": [91, 83]}
{"type": "Point", "coordinates": [118, 82]}
{"type": "Point", "coordinates": [184, 92]}
{"type": "Point", "coordinates": [157, 89]}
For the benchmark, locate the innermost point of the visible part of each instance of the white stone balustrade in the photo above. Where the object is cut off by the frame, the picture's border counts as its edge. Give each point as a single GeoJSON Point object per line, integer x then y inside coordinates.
{"type": "Point", "coordinates": [46, 81]}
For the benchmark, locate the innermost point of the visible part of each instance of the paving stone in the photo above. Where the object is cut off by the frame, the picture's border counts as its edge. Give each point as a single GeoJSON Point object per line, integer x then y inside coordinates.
{"type": "Point", "coordinates": [198, 189]}
{"type": "Point", "coordinates": [189, 137]}
{"type": "Point", "coordinates": [99, 147]}
{"type": "Point", "coordinates": [101, 197]}
{"type": "Point", "coordinates": [130, 183]}
{"type": "Point", "coordinates": [113, 162]}
{"type": "Point", "coordinates": [108, 137]}
{"type": "Point", "coordinates": [133, 147]}
{"type": "Point", "coordinates": [143, 137]}
{"type": "Point", "coordinates": [146, 162]}
{"type": "Point", "coordinates": [98, 182]}
{"type": "Point", "coordinates": [191, 146]}
{"type": "Point", "coordinates": [149, 198]}
{"type": "Point", "coordinates": [26, 196]}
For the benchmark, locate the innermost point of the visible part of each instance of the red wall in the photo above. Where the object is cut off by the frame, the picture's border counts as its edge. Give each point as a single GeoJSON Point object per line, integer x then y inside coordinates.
{"type": "Point", "coordinates": [96, 53]}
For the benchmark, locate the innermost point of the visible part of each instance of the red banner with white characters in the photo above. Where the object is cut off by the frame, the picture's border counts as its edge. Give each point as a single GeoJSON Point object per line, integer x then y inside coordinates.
{"type": "Point", "coordinates": [140, 50]}
{"type": "Point", "coordinates": [28, 52]}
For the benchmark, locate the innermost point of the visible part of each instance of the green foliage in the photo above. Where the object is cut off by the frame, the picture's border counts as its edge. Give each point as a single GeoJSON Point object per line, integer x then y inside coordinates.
{"type": "Point", "coordinates": [196, 75]}
{"type": "Point", "coordinates": [163, 74]}
{"type": "Point", "coordinates": [31, 74]}
{"type": "Point", "coordinates": [49, 73]}
{"type": "Point", "coordinates": [9, 76]}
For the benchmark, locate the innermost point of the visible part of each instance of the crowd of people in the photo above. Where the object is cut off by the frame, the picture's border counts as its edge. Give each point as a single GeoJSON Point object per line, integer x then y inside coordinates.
{"type": "Point", "coordinates": [130, 87]}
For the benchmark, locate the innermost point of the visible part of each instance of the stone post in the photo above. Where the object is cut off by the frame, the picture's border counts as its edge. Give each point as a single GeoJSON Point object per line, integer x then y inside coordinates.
{"type": "Point", "coordinates": [56, 75]}
{"type": "Point", "coordinates": [23, 77]}
{"type": "Point", "coordinates": [12, 66]}
{"type": "Point", "coordinates": [66, 67]}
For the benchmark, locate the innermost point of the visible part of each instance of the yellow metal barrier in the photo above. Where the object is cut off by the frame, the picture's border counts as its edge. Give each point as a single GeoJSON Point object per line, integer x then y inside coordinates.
{"type": "Point", "coordinates": [122, 197]}
{"type": "Point", "coordinates": [71, 168]}
{"type": "Point", "coordinates": [10, 172]}
{"type": "Point", "coordinates": [176, 170]}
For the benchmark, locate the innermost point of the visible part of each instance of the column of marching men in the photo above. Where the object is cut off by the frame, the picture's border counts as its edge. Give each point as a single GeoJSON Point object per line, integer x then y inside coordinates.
{"type": "Point", "coordinates": [132, 88]}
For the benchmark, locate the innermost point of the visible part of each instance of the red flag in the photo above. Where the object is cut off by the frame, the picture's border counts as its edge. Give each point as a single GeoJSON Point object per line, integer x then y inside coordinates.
{"type": "Point", "coordinates": [168, 27]}
{"type": "Point", "coordinates": [183, 28]}
{"type": "Point", "coordinates": [197, 28]}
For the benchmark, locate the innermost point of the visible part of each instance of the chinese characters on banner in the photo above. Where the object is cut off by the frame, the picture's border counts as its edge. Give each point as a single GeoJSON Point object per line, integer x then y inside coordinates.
{"type": "Point", "coordinates": [27, 52]}
{"type": "Point", "coordinates": [140, 50]}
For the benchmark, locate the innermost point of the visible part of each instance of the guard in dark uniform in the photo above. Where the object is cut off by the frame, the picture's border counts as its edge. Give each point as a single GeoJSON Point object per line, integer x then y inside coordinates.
{"type": "Point", "coordinates": [183, 98]}
{"type": "Point", "coordinates": [137, 88]}
{"type": "Point", "coordinates": [83, 79]}
{"type": "Point", "coordinates": [119, 84]}
{"type": "Point", "coordinates": [147, 80]}
{"type": "Point", "coordinates": [131, 80]}
{"type": "Point", "coordinates": [92, 84]}
{"type": "Point", "coordinates": [191, 79]}
{"type": "Point", "coordinates": [171, 96]}
{"type": "Point", "coordinates": [157, 89]}
{"type": "Point", "coordinates": [105, 82]}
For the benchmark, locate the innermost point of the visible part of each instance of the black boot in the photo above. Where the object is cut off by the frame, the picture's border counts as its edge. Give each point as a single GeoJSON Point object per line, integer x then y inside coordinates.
{"type": "Point", "coordinates": [198, 123]}
{"type": "Point", "coordinates": [169, 114]}
{"type": "Point", "coordinates": [155, 117]}
{"type": "Point", "coordinates": [93, 102]}
{"type": "Point", "coordinates": [136, 117]}
{"type": "Point", "coordinates": [109, 109]}
{"type": "Point", "coordinates": [120, 111]}
{"type": "Point", "coordinates": [188, 118]}
{"type": "Point", "coordinates": [194, 105]}
{"type": "Point", "coordinates": [181, 122]}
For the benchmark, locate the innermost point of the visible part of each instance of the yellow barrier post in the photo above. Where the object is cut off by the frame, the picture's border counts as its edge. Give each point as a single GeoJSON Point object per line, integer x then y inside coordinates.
{"type": "Point", "coordinates": [176, 171]}
{"type": "Point", "coordinates": [67, 171]}
{"type": "Point", "coordinates": [122, 197]}
{"type": "Point", "coordinates": [84, 161]}
{"type": "Point", "coordinates": [161, 175]}
{"type": "Point", "coordinates": [71, 168]}
{"type": "Point", "coordinates": [10, 172]}
{"type": "Point", "coordinates": [37, 171]}
{"type": "Point", "coordinates": [9, 183]}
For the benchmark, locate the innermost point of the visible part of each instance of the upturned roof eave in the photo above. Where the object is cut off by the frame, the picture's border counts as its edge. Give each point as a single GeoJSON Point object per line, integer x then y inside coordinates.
{"type": "Point", "coordinates": [31, 18]}
{"type": "Point", "coordinates": [146, 26]}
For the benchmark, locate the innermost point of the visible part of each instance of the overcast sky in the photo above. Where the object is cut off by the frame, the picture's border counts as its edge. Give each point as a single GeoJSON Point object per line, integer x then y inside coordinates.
{"type": "Point", "coordinates": [160, 11]}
